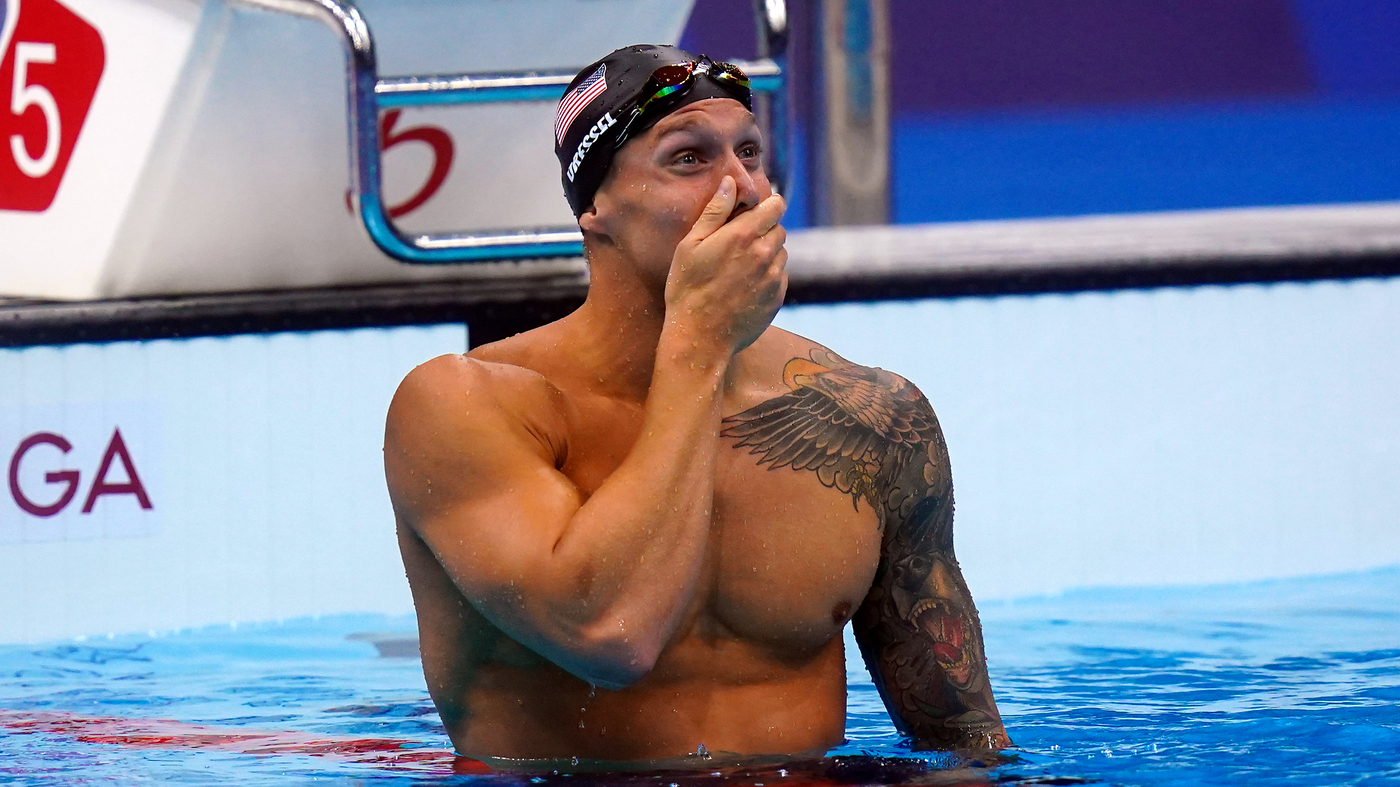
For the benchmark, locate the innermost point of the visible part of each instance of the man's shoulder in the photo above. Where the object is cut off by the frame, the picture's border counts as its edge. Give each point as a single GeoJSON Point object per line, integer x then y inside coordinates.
{"type": "Point", "coordinates": [458, 394]}
{"type": "Point", "coordinates": [448, 380]}
{"type": "Point", "coordinates": [783, 347]}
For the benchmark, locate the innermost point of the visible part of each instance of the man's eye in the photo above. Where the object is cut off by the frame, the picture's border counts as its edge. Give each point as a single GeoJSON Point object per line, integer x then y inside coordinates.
{"type": "Point", "coordinates": [750, 151]}
{"type": "Point", "coordinates": [687, 159]}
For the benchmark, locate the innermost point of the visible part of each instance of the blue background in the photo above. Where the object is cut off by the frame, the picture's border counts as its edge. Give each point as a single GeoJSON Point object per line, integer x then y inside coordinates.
{"type": "Point", "coordinates": [1022, 108]}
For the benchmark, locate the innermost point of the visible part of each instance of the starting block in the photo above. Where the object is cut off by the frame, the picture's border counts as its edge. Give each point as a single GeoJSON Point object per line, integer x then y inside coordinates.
{"type": "Point", "coordinates": [173, 146]}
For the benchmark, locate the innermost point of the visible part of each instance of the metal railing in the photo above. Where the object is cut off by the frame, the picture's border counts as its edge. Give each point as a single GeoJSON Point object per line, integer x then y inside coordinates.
{"type": "Point", "coordinates": [367, 94]}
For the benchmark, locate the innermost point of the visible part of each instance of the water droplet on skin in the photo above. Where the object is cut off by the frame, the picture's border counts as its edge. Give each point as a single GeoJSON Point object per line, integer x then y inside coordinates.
{"type": "Point", "coordinates": [573, 761]}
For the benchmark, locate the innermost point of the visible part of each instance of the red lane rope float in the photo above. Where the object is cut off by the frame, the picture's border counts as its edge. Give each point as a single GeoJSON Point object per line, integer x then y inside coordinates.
{"type": "Point", "coordinates": [168, 734]}
{"type": "Point", "coordinates": [401, 754]}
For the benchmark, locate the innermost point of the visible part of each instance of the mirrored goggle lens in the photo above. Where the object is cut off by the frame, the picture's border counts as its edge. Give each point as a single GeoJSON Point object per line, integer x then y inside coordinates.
{"type": "Point", "coordinates": [726, 72]}
{"type": "Point", "coordinates": [666, 80]}
{"type": "Point", "coordinates": [670, 76]}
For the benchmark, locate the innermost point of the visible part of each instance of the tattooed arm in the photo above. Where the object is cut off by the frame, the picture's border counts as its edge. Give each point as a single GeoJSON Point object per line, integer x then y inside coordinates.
{"type": "Point", "coordinates": [918, 628]}
{"type": "Point", "coordinates": [921, 639]}
{"type": "Point", "coordinates": [872, 435]}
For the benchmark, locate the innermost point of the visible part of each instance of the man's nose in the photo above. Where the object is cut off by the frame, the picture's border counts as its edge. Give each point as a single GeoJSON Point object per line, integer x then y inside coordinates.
{"type": "Point", "coordinates": [751, 187]}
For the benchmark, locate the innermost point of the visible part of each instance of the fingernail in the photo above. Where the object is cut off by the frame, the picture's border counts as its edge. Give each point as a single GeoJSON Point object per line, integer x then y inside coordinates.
{"type": "Point", "coordinates": [726, 185]}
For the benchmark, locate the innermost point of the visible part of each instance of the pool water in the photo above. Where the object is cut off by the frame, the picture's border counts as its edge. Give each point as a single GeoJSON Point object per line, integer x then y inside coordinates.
{"type": "Point", "coordinates": [1291, 682]}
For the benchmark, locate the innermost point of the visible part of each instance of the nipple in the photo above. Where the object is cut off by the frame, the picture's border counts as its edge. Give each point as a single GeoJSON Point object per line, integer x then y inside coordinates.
{"type": "Point", "coordinates": [841, 613]}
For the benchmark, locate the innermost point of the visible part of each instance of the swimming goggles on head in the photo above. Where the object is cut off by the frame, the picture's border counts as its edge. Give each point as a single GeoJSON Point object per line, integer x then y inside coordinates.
{"type": "Point", "coordinates": [672, 79]}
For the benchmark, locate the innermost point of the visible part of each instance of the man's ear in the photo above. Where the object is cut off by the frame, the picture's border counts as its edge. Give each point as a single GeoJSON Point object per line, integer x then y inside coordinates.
{"type": "Point", "coordinates": [594, 221]}
{"type": "Point", "coordinates": [588, 219]}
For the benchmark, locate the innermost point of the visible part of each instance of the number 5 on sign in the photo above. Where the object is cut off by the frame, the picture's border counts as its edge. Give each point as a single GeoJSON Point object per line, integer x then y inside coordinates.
{"type": "Point", "coordinates": [23, 96]}
{"type": "Point", "coordinates": [50, 63]}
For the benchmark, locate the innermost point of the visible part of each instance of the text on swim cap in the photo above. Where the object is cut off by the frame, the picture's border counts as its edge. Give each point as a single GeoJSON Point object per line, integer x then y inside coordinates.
{"type": "Point", "coordinates": [604, 123]}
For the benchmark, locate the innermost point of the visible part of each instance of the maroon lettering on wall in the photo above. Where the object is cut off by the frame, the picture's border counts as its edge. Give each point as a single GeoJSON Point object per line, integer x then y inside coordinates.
{"type": "Point", "coordinates": [433, 137]}
{"type": "Point", "coordinates": [443, 151]}
{"type": "Point", "coordinates": [116, 449]}
{"type": "Point", "coordinates": [69, 477]}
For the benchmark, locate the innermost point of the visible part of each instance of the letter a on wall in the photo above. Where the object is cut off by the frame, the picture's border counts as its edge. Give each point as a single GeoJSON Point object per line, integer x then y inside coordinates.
{"type": "Point", "coordinates": [116, 449]}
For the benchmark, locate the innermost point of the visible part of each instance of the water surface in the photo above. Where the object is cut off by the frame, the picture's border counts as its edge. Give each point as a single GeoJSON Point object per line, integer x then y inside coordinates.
{"type": "Point", "coordinates": [1291, 682]}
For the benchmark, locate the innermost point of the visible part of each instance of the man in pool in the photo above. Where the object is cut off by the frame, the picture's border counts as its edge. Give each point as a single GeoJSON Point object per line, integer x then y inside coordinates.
{"type": "Point", "coordinates": [636, 534]}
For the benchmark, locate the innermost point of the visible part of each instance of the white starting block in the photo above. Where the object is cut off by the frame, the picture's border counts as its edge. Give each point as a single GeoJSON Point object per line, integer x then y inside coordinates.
{"type": "Point", "coordinates": [213, 154]}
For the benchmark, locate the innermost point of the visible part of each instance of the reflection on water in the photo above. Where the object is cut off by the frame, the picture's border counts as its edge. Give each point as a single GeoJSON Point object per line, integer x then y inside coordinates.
{"type": "Point", "coordinates": [1291, 682]}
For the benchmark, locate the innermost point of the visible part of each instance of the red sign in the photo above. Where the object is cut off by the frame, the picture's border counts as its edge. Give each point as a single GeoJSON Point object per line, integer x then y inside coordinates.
{"type": "Point", "coordinates": [52, 62]}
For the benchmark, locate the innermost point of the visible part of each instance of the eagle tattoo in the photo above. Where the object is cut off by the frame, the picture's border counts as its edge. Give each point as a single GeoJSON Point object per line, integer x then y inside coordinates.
{"type": "Point", "coordinates": [872, 435]}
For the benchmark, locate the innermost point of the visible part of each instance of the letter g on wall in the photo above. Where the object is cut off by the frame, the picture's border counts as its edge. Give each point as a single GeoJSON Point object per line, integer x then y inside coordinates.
{"type": "Point", "coordinates": [69, 477]}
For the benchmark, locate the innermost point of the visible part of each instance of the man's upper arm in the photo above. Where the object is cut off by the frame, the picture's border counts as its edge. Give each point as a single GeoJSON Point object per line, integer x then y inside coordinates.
{"type": "Point", "coordinates": [918, 628]}
{"type": "Point", "coordinates": [471, 474]}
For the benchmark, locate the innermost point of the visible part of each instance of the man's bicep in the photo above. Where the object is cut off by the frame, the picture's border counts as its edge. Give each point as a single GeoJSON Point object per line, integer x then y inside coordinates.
{"type": "Point", "coordinates": [495, 543]}
{"type": "Point", "coordinates": [920, 636]}
{"type": "Point", "coordinates": [474, 485]}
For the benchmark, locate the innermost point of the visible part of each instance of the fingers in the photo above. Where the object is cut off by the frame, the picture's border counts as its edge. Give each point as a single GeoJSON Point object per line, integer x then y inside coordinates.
{"type": "Point", "coordinates": [770, 211]}
{"type": "Point", "coordinates": [717, 212]}
{"type": "Point", "coordinates": [778, 267]}
{"type": "Point", "coordinates": [775, 236]}
{"type": "Point", "coordinates": [781, 263]}
{"type": "Point", "coordinates": [766, 246]}
{"type": "Point", "coordinates": [764, 216]}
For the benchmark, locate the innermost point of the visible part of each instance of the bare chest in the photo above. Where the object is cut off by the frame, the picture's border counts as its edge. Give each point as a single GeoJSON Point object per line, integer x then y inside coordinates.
{"type": "Point", "coordinates": [789, 558]}
{"type": "Point", "coordinates": [793, 558]}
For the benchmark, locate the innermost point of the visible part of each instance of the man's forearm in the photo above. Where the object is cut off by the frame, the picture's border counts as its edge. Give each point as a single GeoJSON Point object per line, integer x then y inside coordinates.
{"type": "Point", "coordinates": [637, 545]}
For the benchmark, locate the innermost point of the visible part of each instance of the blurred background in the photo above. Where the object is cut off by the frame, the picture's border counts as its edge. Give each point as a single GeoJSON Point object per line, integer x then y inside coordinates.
{"type": "Point", "coordinates": [1002, 109]}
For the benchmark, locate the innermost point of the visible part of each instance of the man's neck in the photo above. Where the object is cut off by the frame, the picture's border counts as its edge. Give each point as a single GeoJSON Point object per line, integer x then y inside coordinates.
{"type": "Point", "coordinates": [617, 330]}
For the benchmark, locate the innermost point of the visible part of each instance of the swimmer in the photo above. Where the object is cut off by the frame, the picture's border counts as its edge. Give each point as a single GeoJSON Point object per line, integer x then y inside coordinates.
{"type": "Point", "coordinates": [636, 534]}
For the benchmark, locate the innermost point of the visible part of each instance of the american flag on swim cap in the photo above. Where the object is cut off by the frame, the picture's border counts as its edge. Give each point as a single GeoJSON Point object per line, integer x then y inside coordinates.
{"type": "Point", "coordinates": [577, 99]}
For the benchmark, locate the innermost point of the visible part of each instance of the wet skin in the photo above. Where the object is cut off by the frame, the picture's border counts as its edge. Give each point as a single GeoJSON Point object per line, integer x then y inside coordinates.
{"type": "Point", "coordinates": [641, 529]}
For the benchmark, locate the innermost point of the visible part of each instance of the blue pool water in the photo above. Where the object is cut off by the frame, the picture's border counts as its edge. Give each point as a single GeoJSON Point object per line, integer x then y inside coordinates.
{"type": "Point", "coordinates": [1291, 682]}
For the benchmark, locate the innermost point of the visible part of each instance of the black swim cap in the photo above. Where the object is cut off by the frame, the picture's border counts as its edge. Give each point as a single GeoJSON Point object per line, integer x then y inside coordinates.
{"type": "Point", "coordinates": [599, 104]}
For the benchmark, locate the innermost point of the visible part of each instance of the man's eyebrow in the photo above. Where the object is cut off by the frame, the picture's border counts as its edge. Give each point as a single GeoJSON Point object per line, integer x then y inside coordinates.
{"type": "Point", "coordinates": [684, 124]}
{"type": "Point", "coordinates": [690, 124]}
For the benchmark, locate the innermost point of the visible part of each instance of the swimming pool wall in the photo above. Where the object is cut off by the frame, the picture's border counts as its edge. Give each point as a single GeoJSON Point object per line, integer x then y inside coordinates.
{"type": "Point", "coordinates": [1157, 437]}
{"type": "Point", "coordinates": [259, 457]}
{"type": "Point", "coordinates": [1171, 436]}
